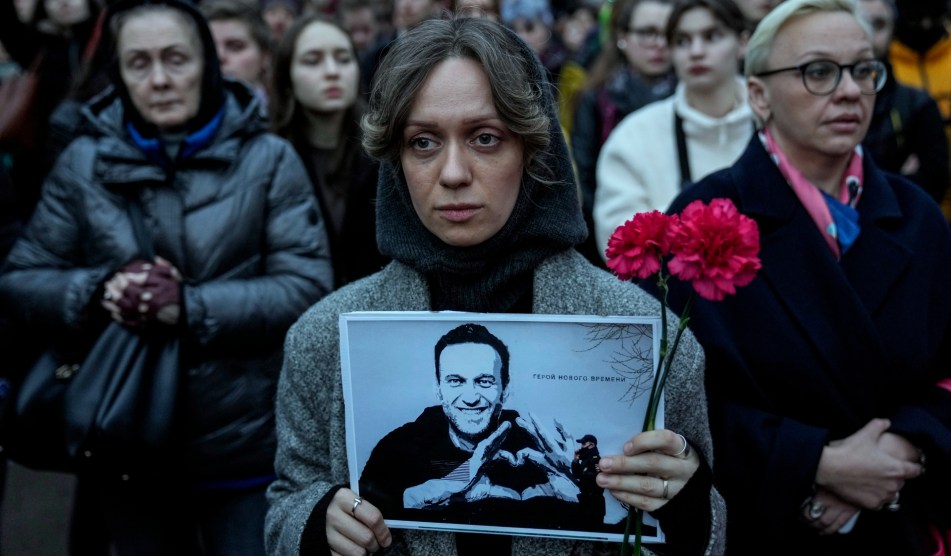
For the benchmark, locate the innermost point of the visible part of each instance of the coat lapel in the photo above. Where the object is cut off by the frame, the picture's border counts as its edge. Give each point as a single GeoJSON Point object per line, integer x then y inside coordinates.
{"type": "Point", "coordinates": [833, 302]}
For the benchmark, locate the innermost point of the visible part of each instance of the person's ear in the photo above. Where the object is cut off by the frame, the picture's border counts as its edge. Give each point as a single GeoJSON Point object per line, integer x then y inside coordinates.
{"type": "Point", "coordinates": [437, 391]}
{"type": "Point", "coordinates": [759, 98]}
{"type": "Point", "coordinates": [505, 395]}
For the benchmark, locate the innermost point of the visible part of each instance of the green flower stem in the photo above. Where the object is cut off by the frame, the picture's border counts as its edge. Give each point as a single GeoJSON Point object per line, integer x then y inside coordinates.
{"type": "Point", "coordinates": [660, 379]}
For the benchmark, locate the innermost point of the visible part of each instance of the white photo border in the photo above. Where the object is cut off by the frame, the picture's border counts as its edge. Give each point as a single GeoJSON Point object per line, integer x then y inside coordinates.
{"type": "Point", "coordinates": [378, 399]}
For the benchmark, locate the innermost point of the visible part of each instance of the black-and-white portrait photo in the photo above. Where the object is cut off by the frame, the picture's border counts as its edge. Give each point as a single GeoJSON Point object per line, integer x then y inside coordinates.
{"type": "Point", "coordinates": [493, 422]}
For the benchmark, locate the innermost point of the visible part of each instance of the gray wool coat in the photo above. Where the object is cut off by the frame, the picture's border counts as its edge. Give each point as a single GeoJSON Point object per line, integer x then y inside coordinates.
{"type": "Point", "coordinates": [311, 457]}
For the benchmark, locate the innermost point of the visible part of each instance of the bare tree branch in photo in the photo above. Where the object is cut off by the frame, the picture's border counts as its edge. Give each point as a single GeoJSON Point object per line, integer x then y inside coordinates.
{"type": "Point", "coordinates": [632, 358]}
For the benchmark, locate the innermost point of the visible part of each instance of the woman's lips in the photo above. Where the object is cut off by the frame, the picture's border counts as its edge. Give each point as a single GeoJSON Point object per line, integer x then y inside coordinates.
{"type": "Point", "coordinates": [457, 213]}
{"type": "Point", "coordinates": [845, 124]}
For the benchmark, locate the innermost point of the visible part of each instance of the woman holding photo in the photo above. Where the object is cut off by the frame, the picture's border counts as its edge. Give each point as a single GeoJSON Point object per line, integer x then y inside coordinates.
{"type": "Point", "coordinates": [478, 207]}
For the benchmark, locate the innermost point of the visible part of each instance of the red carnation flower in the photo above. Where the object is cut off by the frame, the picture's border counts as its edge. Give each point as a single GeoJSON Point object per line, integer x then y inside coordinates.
{"type": "Point", "coordinates": [715, 248]}
{"type": "Point", "coordinates": [637, 247]}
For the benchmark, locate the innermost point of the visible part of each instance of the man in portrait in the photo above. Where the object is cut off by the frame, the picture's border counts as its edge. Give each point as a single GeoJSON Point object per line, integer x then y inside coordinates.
{"type": "Point", "coordinates": [468, 460]}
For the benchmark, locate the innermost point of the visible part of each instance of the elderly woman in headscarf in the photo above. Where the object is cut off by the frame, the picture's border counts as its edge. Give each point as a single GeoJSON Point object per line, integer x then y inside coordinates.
{"type": "Point", "coordinates": [241, 253]}
{"type": "Point", "coordinates": [478, 207]}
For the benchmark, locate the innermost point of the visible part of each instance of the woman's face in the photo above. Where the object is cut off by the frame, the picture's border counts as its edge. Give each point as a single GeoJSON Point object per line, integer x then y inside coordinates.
{"type": "Point", "coordinates": [240, 56]}
{"type": "Point", "coordinates": [324, 72]}
{"type": "Point", "coordinates": [407, 13]}
{"type": "Point", "coordinates": [756, 10]}
{"type": "Point", "coordinates": [462, 164]}
{"type": "Point", "coordinates": [807, 125]}
{"type": "Point", "coordinates": [705, 52]}
{"type": "Point", "coordinates": [160, 61]}
{"type": "Point", "coordinates": [534, 32]}
{"type": "Point", "coordinates": [644, 45]}
{"type": "Point", "coordinates": [66, 13]}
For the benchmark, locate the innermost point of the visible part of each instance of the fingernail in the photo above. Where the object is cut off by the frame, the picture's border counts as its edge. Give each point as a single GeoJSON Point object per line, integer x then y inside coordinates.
{"type": "Point", "coordinates": [628, 448]}
{"type": "Point", "coordinates": [606, 464]}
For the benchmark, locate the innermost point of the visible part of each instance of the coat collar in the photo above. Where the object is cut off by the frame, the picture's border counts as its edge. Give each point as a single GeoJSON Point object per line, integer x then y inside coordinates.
{"type": "Point", "coordinates": [816, 289]}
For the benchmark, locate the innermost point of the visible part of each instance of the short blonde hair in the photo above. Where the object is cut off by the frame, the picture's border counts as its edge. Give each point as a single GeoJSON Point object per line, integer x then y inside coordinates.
{"type": "Point", "coordinates": [760, 46]}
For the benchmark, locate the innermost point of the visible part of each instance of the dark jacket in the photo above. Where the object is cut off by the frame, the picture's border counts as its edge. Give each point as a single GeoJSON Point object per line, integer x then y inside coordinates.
{"type": "Point", "coordinates": [906, 122]}
{"type": "Point", "coordinates": [345, 176]}
{"type": "Point", "coordinates": [61, 62]}
{"type": "Point", "coordinates": [814, 348]}
{"type": "Point", "coordinates": [423, 450]}
{"type": "Point", "coordinates": [597, 114]}
{"type": "Point", "coordinates": [237, 218]}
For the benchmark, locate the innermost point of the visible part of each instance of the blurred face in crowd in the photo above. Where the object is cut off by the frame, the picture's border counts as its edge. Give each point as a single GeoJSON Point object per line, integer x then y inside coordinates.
{"type": "Point", "coordinates": [882, 22]}
{"type": "Point", "coordinates": [324, 72]}
{"type": "Point", "coordinates": [25, 9]}
{"type": "Point", "coordinates": [644, 44]}
{"type": "Point", "coordinates": [462, 164]}
{"type": "Point", "coordinates": [66, 13]}
{"type": "Point", "coordinates": [470, 388]}
{"type": "Point", "coordinates": [241, 57]}
{"type": "Point", "coordinates": [534, 32]}
{"type": "Point", "coordinates": [160, 61]}
{"type": "Point", "coordinates": [488, 9]}
{"type": "Point", "coordinates": [278, 19]}
{"type": "Point", "coordinates": [362, 26]}
{"type": "Point", "coordinates": [756, 10]}
{"type": "Point", "coordinates": [705, 52]}
{"type": "Point", "coordinates": [807, 126]}
{"type": "Point", "coordinates": [408, 13]}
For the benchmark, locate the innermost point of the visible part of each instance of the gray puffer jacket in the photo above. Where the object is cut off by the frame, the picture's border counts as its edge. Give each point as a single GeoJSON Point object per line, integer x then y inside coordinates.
{"type": "Point", "coordinates": [237, 218]}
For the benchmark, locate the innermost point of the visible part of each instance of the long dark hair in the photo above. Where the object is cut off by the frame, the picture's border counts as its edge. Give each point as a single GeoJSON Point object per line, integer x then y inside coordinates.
{"type": "Point", "coordinates": [611, 58]}
{"type": "Point", "coordinates": [286, 117]}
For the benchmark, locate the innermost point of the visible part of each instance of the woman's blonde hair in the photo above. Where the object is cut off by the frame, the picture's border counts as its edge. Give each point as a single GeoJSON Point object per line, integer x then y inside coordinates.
{"type": "Point", "coordinates": [760, 46]}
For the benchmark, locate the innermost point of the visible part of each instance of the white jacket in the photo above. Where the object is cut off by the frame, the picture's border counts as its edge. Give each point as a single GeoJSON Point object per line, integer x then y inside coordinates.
{"type": "Point", "coordinates": [639, 170]}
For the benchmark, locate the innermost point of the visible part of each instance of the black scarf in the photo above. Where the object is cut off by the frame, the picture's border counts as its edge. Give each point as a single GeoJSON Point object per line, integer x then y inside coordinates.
{"type": "Point", "coordinates": [496, 275]}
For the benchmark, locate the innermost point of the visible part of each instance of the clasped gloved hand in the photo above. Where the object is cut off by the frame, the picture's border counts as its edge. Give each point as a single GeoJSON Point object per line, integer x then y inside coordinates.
{"type": "Point", "coordinates": [142, 292]}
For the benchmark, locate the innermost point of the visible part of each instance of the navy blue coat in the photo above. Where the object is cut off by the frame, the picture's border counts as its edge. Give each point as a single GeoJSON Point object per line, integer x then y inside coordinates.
{"type": "Point", "coordinates": [814, 348]}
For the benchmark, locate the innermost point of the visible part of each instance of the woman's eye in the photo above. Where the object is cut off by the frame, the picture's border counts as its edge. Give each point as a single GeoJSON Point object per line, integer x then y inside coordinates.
{"type": "Point", "coordinates": [421, 143]}
{"type": "Point", "coordinates": [818, 71]}
{"type": "Point", "coordinates": [486, 140]}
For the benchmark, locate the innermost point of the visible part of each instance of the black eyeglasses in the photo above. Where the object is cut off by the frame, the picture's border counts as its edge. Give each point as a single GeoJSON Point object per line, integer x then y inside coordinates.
{"type": "Point", "coordinates": [821, 77]}
{"type": "Point", "coordinates": [648, 36]}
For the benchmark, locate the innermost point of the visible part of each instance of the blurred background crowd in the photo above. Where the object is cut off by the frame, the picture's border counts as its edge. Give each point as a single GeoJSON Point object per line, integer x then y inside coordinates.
{"type": "Point", "coordinates": [605, 58]}
{"type": "Point", "coordinates": [625, 85]}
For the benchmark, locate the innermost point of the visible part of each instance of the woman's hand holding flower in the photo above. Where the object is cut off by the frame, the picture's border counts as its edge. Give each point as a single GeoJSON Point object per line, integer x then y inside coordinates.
{"type": "Point", "coordinates": [637, 476]}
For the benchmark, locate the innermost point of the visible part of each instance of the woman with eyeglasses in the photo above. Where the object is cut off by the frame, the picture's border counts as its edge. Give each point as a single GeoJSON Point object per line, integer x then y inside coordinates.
{"type": "Point", "coordinates": [828, 376]}
{"type": "Point", "coordinates": [632, 70]}
{"type": "Point", "coordinates": [665, 146]}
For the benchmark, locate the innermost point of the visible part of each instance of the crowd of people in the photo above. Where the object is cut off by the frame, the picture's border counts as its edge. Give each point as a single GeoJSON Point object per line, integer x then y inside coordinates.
{"type": "Point", "coordinates": [294, 160]}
